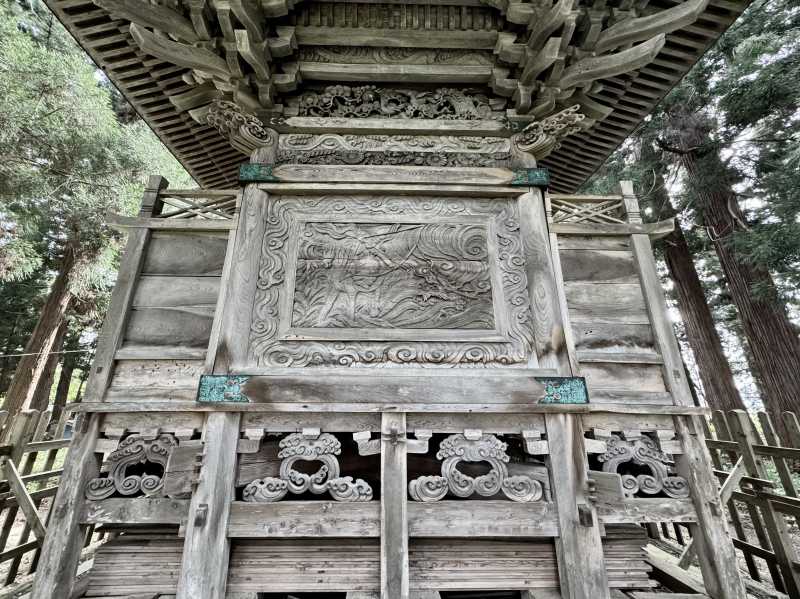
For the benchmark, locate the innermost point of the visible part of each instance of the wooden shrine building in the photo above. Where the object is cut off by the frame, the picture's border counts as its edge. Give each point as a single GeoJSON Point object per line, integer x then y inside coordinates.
{"type": "Point", "coordinates": [385, 351]}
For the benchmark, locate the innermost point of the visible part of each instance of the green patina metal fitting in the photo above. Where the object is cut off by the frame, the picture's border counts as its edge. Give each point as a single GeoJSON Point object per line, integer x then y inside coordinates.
{"type": "Point", "coordinates": [564, 390]}
{"type": "Point", "coordinates": [536, 177]}
{"type": "Point", "coordinates": [222, 388]}
{"type": "Point", "coordinates": [257, 173]}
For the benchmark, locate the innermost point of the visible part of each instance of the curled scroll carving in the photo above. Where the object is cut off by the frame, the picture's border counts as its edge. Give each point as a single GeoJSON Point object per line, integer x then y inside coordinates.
{"type": "Point", "coordinates": [132, 451]}
{"type": "Point", "coordinates": [542, 137]}
{"type": "Point", "coordinates": [643, 451]}
{"type": "Point", "coordinates": [321, 448]}
{"type": "Point", "coordinates": [485, 448]}
{"type": "Point", "coordinates": [245, 131]}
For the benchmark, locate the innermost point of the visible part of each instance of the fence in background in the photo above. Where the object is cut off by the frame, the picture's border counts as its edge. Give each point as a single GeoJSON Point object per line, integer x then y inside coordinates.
{"type": "Point", "coordinates": [759, 472]}
{"type": "Point", "coordinates": [30, 470]}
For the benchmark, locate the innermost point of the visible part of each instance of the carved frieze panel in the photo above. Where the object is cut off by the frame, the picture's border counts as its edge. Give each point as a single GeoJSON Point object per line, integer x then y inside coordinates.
{"type": "Point", "coordinates": [388, 55]}
{"type": "Point", "coordinates": [358, 281]}
{"type": "Point", "coordinates": [322, 448]}
{"type": "Point", "coordinates": [133, 453]}
{"type": "Point", "coordinates": [459, 448]}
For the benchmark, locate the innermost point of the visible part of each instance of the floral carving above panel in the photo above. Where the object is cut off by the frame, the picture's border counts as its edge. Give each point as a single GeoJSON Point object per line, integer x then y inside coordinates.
{"type": "Point", "coordinates": [371, 101]}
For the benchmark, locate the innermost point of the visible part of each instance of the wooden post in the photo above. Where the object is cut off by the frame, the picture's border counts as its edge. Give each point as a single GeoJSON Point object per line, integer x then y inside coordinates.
{"type": "Point", "coordinates": [579, 548]}
{"type": "Point", "coordinates": [62, 545]}
{"type": "Point", "coordinates": [549, 342]}
{"type": "Point", "coordinates": [394, 517]}
{"type": "Point", "coordinates": [206, 550]}
{"type": "Point", "coordinates": [114, 325]}
{"type": "Point", "coordinates": [714, 547]}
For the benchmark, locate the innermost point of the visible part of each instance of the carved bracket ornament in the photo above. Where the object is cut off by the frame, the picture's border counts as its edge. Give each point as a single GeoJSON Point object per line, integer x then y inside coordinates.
{"type": "Point", "coordinates": [640, 450]}
{"type": "Point", "coordinates": [132, 452]}
{"type": "Point", "coordinates": [473, 446]}
{"type": "Point", "coordinates": [322, 448]}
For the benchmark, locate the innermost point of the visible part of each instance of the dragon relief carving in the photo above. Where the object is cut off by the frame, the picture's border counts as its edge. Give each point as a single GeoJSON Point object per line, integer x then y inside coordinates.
{"type": "Point", "coordinates": [133, 451]}
{"type": "Point", "coordinates": [644, 452]}
{"type": "Point", "coordinates": [370, 101]}
{"type": "Point", "coordinates": [484, 448]}
{"type": "Point", "coordinates": [410, 277]}
{"type": "Point", "coordinates": [321, 448]}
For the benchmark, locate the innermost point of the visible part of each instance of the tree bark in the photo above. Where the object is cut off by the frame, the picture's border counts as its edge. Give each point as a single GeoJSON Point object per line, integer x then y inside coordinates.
{"type": "Point", "coordinates": [772, 338]}
{"type": "Point", "coordinates": [715, 370]}
{"type": "Point", "coordinates": [41, 397]}
{"type": "Point", "coordinates": [32, 365]}
{"type": "Point", "coordinates": [62, 390]}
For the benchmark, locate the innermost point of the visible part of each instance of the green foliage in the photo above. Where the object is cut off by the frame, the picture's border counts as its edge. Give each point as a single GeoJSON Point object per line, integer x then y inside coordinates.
{"type": "Point", "coordinates": [71, 150]}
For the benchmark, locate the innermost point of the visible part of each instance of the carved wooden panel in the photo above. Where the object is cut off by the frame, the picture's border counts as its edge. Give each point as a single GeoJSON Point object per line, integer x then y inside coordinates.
{"type": "Point", "coordinates": [390, 280]}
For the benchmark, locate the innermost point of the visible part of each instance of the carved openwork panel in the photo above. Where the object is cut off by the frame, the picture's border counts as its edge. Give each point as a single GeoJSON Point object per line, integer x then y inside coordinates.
{"type": "Point", "coordinates": [391, 280]}
{"type": "Point", "coordinates": [136, 467]}
{"type": "Point", "coordinates": [645, 468]}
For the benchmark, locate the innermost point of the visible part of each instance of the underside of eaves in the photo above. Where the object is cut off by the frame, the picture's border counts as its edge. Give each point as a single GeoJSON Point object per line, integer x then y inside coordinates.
{"type": "Point", "coordinates": [480, 68]}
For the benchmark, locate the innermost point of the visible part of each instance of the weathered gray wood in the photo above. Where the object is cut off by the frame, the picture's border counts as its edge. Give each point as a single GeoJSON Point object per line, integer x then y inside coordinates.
{"type": "Point", "coordinates": [674, 372]}
{"type": "Point", "coordinates": [656, 230]}
{"type": "Point", "coordinates": [239, 293]}
{"type": "Point", "coordinates": [592, 242]}
{"type": "Point", "coordinates": [139, 510]}
{"type": "Point", "coordinates": [171, 327]}
{"type": "Point", "coordinates": [616, 337]}
{"type": "Point", "coordinates": [775, 523]}
{"type": "Point", "coordinates": [331, 423]}
{"type": "Point", "coordinates": [157, 291]}
{"type": "Point", "coordinates": [115, 322]}
{"type": "Point", "coordinates": [24, 501]}
{"type": "Point", "coordinates": [598, 266]}
{"type": "Point", "coordinates": [180, 473]}
{"type": "Point", "coordinates": [579, 546]}
{"type": "Point", "coordinates": [185, 254]}
{"type": "Point", "coordinates": [305, 519]}
{"type": "Point", "coordinates": [473, 519]}
{"type": "Point", "coordinates": [157, 373]}
{"type": "Point", "coordinates": [413, 189]}
{"type": "Point", "coordinates": [623, 377]}
{"type": "Point", "coordinates": [170, 224]}
{"type": "Point", "coordinates": [391, 174]}
{"type": "Point", "coordinates": [550, 343]}
{"type": "Point", "coordinates": [179, 409]}
{"type": "Point", "coordinates": [617, 303]}
{"type": "Point", "coordinates": [396, 387]}
{"type": "Point", "coordinates": [61, 548]}
{"type": "Point", "coordinates": [394, 514]}
{"type": "Point", "coordinates": [204, 565]}
{"type": "Point", "coordinates": [643, 510]}
{"type": "Point", "coordinates": [714, 548]}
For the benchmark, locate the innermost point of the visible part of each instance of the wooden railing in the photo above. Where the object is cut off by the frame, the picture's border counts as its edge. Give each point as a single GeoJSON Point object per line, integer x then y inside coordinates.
{"type": "Point", "coordinates": [758, 471]}
{"type": "Point", "coordinates": [30, 462]}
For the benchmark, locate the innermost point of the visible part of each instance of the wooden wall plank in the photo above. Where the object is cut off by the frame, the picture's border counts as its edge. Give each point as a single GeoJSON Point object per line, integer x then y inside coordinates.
{"type": "Point", "coordinates": [594, 336]}
{"type": "Point", "coordinates": [598, 266]}
{"type": "Point", "coordinates": [646, 378]}
{"type": "Point", "coordinates": [169, 327]}
{"type": "Point", "coordinates": [394, 515]}
{"type": "Point", "coordinates": [169, 291]}
{"type": "Point", "coordinates": [185, 253]}
{"type": "Point", "coordinates": [606, 303]}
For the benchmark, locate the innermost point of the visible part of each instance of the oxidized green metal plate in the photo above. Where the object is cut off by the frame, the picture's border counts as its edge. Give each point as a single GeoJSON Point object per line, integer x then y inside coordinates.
{"type": "Point", "coordinates": [257, 173]}
{"type": "Point", "coordinates": [564, 390]}
{"type": "Point", "coordinates": [535, 177]}
{"type": "Point", "coordinates": [222, 388]}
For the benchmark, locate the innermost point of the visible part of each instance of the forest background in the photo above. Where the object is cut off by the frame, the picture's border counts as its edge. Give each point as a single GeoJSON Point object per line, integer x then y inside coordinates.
{"type": "Point", "coordinates": [721, 153]}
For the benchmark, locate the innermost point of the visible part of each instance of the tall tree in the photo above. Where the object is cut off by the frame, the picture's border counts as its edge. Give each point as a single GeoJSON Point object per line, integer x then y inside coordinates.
{"type": "Point", "coordinates": [65, 160]}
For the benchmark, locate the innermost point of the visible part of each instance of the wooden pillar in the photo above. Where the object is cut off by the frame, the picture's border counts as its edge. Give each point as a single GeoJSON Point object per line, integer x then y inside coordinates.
{"type": "Point", "coordinates": [714, 547]}
{"type": "Point", "coordinates": [394, 517]}
{"type": "Point", "coordinates": [61, 550]}
{"type": "Point", "coordinates": [579, 548]}
{"type": "Point", "coordinates": [114, 324]}
{"type": "Point", "coordinates": [206, 550]}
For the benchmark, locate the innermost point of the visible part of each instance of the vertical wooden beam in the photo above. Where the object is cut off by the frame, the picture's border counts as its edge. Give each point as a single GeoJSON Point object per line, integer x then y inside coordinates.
{"type": "Point", "coordinates": [581, 569]}
{"type": "Point", "coordinates": [715, 550]}
{"type": "Point", "coordinates": [114, 325]}
{"type": "Point", "coordinates": [550, 348]}
{"type": "Point", "coordinates": [674, 372]}
{"type": "Point", "coordinates": [394, 517]}
{"type": "Point", "coordinates": [231, 349]}
{"type": "Point", "coordinates": [206, 549]}
{"type": "Point", "coordinates": [62, 545]}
